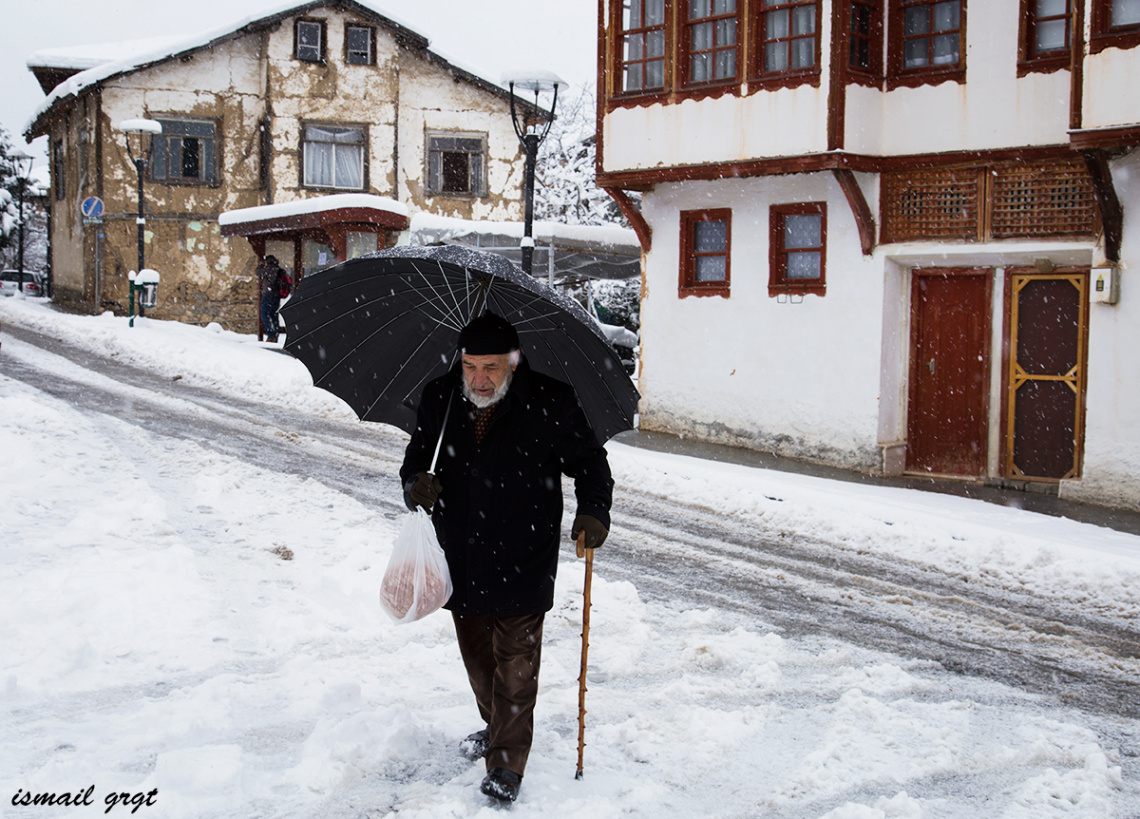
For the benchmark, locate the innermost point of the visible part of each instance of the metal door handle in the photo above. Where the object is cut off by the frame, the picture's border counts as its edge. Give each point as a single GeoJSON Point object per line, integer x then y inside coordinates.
{"type": "Point", "coordinates": [930, 366]}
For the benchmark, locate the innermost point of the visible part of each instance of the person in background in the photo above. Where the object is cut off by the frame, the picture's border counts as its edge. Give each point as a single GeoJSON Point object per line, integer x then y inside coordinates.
{"type": "Point", "coordinates": [273, 285]}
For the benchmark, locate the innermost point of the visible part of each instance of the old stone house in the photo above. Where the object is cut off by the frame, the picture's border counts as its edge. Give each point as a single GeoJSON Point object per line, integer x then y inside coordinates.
{"type": "Point", "coordinates": [322, 99]}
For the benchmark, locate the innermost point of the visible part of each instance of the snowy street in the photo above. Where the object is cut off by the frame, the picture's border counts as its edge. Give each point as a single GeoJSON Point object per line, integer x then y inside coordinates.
{"type": "Point", "coordinates": [194, 537]}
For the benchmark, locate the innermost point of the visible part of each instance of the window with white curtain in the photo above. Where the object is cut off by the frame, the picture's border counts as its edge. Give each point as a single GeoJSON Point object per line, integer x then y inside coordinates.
{"type": "Point", "coordinates": [333, 157]}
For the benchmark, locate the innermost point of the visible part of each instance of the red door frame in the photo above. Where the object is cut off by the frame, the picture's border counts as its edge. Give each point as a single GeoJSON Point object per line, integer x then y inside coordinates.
{"type": "Point", "coordinates": [917, 461]}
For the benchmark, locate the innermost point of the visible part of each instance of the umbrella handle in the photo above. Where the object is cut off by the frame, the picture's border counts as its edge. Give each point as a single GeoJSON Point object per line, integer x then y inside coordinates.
{"type": "Point", "coordinates": [439, 443]}
{"type": "Point", "coordinates": [589, 555]}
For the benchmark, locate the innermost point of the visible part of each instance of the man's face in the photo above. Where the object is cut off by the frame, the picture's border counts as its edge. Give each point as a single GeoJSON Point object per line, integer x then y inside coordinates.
{"type": "Point", "coordinates": [486, 373]}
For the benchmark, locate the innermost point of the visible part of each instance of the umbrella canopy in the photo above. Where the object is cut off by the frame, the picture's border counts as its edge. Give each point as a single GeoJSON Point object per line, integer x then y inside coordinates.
{"type": "Point", "coordinates": [374, 330]}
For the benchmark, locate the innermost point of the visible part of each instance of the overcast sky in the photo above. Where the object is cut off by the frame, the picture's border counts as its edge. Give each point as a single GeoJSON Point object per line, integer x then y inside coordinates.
{"type": "Point", "coordinates": [487, 36]}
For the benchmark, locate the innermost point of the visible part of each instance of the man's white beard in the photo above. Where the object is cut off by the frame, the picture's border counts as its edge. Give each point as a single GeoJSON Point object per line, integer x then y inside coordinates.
{"type": "Point", "coordinates": [484, 401]}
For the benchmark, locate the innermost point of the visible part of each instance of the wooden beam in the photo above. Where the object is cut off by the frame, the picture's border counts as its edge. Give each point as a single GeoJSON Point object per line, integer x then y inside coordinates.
{"type": "Point", "coordinates": [1111, 213]}
{"type": "Point", "coordinates": [640, 226]}
{"type": "Point", "coordinates": [859, 208]}
{"type": "Point", "coordinates": [1077, 67]}
{"type": "Point", "coordinates": [837, 80]}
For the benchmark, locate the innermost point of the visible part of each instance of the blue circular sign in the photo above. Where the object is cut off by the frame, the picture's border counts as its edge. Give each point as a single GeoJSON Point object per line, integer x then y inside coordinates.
{"type": "Point", "coordinates": [92, 207]}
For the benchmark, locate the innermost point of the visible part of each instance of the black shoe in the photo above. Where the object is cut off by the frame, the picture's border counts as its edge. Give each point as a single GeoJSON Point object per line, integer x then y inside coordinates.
{"type": "Point", "coordinates": [502, 784]}
{"type": "Point", "coordinates": [475, 746]}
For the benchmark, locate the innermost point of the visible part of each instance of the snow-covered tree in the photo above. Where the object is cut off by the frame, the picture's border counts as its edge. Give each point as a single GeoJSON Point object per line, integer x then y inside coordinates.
{"type": "Point", "coordinates": [565, 192]}
{"type": "Point", "coordinates": [564, 177]}
{"type": "Point", "coordinates": [35, 224]}
{"type": "Point", "coordinates": [9, 193]}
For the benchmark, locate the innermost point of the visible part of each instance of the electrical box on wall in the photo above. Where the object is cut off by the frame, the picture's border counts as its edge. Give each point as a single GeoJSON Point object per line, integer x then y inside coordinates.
{"type": "Point", "coordinates": [1105, 285]}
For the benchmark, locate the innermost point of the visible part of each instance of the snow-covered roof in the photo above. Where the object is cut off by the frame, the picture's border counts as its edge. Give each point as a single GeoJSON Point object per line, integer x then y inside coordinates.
{"type": "Point", "coordinates": [318, 204]}
{"type": "Point", "coordinates": [82, 57]}
{"type": "Point", "coordinates": [592, 251]}
{"type": "Point", "coordinates": [435, 229]}
{"type": "Point", "coordinates": [139, 54]}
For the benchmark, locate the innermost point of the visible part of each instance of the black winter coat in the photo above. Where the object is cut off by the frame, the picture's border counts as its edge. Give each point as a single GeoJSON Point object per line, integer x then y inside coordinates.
{"type": "Point", "coordinates": [499, 513]}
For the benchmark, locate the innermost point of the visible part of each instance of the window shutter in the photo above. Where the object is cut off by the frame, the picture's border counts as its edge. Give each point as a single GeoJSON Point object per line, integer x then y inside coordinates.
{"type": "Point", "coordinates": [435, 171]}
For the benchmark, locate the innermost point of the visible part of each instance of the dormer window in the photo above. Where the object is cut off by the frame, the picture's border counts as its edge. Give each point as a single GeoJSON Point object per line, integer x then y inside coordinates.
{"type": "Point", "coordinates": [309, 41]}
{"type": "Point", "coordinates": [360, 45]}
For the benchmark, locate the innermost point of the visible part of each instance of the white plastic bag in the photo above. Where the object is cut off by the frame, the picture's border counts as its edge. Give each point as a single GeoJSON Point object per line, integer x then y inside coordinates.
{"type": "Point", "coordinates": [417, 581]}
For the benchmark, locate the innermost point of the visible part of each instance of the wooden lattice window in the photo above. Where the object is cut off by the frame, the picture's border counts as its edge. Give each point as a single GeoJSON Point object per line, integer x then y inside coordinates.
{"type": "Point", "coordinates": [932, 203]}
{"type": "Point", "coordinates": [1040, 199]}
{"type": "Point", "coordinates": [1043, 199]}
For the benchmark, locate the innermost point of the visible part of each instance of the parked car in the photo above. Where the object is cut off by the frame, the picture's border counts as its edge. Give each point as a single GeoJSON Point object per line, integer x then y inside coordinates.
{"type": "Point", "coordinates": [10, 283]}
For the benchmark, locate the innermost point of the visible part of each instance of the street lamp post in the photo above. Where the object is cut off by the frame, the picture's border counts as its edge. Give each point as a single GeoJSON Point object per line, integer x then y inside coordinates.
{"type": "Point", "coordinates": [23, 163]}
{"type": "Point", "coordinates": [142, 128]}
{"type": "Point", "coordinates": [527, 129]}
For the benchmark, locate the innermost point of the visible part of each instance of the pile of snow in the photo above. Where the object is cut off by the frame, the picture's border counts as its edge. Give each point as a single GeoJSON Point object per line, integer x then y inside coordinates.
{"type": "Point", "coordinates": [159, 647]}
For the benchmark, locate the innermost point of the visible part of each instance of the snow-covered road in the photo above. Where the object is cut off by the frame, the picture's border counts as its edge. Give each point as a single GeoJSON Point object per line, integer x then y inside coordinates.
{"type": "Point", "coordinates": [764, 644]}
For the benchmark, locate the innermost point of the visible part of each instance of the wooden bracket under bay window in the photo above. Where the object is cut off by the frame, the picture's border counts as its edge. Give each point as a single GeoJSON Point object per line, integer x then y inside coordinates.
{"type": "Point", "coordinates": [859, 208]}
{"type": "Point", "coordinates": [636, 220]}
{"type": "Point", "coordinates": [1111, 214]}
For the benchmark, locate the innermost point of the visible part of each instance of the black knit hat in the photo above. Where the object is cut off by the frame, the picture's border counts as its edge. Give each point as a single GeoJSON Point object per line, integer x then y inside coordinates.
{"type": "Point", "coordinates": [488, 334]}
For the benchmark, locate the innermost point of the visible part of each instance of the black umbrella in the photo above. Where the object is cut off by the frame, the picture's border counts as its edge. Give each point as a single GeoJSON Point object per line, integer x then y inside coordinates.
{"type": "Point", "coordinates": [374, 330]}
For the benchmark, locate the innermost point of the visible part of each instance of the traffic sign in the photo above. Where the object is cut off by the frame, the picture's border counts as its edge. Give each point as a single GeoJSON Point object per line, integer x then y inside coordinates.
{"type": "Point", "coordinates": [91, 208]}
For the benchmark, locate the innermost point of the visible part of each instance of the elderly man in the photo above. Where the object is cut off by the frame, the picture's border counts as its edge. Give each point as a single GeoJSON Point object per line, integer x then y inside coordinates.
{"type": "Point", "coordinates": [509, 434]}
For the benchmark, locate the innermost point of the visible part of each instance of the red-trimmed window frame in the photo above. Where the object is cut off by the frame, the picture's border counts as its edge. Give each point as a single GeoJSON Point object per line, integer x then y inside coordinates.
{"type": "Point", "coordinates": [865, 27]}
{"type": "Point", "coordinates": [778, 282]}
{"type": "Point", "coordinates": [617, 11]}
{"type": "Point", "coordinates": [897, 75]}
{"type": "Point", "coordinates": [758, 25]}
{"type": "Point", "coordinates": [1029, 59]}
{"type": "Point", "coordinates": [686, 85]}
{"type": "Point", "coordinates": [1105, 35]}
{"type": "Point", "coordinates": [688, 284]}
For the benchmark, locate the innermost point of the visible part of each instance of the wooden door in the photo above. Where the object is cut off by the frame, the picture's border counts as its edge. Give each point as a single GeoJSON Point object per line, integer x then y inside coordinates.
{"type": "Point", "coordinates": [1046, 377]}
{"type": "Point", "coordinates": [948, 411]}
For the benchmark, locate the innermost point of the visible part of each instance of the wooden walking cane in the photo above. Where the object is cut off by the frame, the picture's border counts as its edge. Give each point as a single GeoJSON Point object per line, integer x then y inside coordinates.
{"type": "Point", "coordinates": [589, 555]}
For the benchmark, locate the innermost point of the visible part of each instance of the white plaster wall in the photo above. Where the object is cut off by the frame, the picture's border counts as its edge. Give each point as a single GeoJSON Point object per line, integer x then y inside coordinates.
{"type": "Point", "coordinates": [993, 109]}
{"type": "Point", "coordinates": [1111, 92]}
{"type": "Point", "coordinates": [1112, 425]}
{"type": "Point", "coordinates": [431, 101]}
{"type": "Point", "coordinates": [728, 128]}
{"type": "Point", "coordinates": [799, 379]}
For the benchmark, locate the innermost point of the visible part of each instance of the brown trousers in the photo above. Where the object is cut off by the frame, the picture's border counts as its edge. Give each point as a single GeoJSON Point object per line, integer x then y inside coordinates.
{"type": "Point", "coordinates": [502, 656]}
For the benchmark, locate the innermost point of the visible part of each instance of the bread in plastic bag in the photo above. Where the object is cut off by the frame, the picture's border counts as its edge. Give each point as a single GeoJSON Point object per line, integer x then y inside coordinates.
{"type": "Point", "coordinates": [417, 581]}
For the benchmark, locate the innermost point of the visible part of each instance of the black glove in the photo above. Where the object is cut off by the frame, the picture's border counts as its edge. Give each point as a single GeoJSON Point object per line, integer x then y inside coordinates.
{"type": "Point", "coordinates": [595, 531]}
{"type": "Point", "coordinates": [425, 491]}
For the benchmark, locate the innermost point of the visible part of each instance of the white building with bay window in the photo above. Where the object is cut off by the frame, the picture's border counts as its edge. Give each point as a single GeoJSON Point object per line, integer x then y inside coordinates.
{"type": "Point", "coordinates": [893, 235]}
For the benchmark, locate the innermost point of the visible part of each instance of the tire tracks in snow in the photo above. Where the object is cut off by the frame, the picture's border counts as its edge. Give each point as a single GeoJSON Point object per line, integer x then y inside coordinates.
{"type": "Point", "coordinates": [802, 586]}
{"type": "Point", "coordinates": [670, 550]}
